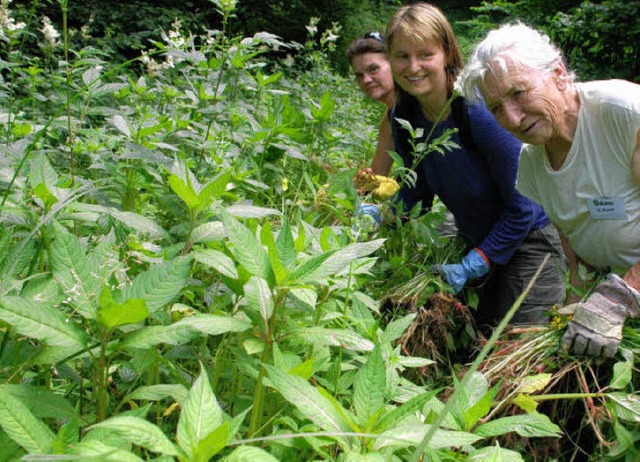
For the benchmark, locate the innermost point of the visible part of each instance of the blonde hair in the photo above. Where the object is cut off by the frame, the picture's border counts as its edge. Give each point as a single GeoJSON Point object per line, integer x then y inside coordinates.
{"type": "Point", "coordinates": [424, 22]}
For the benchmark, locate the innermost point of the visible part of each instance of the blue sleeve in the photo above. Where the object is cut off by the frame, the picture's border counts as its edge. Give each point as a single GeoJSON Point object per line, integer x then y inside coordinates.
{"type": "Point", "coordinates": [519, 214]}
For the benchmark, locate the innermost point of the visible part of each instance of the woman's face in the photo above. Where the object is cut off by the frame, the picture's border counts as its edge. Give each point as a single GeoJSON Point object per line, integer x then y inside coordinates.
{"type": "Point", "coordinates": [418, 67]}
{"type": "Point", "coordinates": [528, 103]}
{"type": "Point", "coordinates": [373, 75]}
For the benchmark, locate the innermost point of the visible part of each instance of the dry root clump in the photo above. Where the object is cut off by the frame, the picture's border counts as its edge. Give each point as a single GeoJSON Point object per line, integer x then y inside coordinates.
{"type": "Point", "coordinates": [435, 332]}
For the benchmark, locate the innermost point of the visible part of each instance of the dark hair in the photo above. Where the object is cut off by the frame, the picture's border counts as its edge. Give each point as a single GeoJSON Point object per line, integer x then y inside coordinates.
{"type": "Point", "coordinates": [371, 42]}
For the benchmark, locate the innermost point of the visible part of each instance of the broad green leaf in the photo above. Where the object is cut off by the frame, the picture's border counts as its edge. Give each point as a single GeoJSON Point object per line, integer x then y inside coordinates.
{"type": "Point", "coordinates": [160, 285]}
{"type": "Point", "coordinates": [140, 432]}
{"type": "Point", "coordinates": [527, 425]}
{"type": "Point", "coordinates": [251, 211]}
{"type": "Point", "coordinates": [495, 454]}
{"type": "Point", "coordinates": [247, 249]}
{"type": "Point", "coordinates": [266, 237]}
{"type": "Point", "coordinates": [412, 435]}
{"type": "Point", "coordinates": [396, 328]}
{"type": "Point", "coordinates": [625, 407]}
{"type": "Point", "coordinates": [184, 330]}
{"type": "Point", "coordinates": [623, 436]}
{"type": "Point", "coordinates": [208, 232]}
{"type": "Point", "coordinates": [40, 401]}
{"type": "Point", "coordinates": [622, 372]}
{"type": "Point", "coordinates": [249, 454]}
{"type": "Point", "coordinates": [368, 457]}
{"type": "Point", "coordinates": [41, 171]}
{"type": "Point", "coordinates": [23, 427]}
{"type": "Point", "coordinates": [339, 260]}
{"type": "Point", "coordinates": [286, 246]}
{"type": "Point", "coordinates": [71, 268]}
{"type": "Point", "coordinates": [321, 336]}
{"type": "Point", "coordinates": [216, 187]}
{"type": "Point", "coordinates": [395, 416]}
{"type": "Point", "coordinates": [184, 191]}
{"type": "Point", "coordinates": [259, 298]}
{"type": "Point", "coordinates": [121, 124]}
{"type": "Point", "coordinates": [308, 400]}
{"type": "Point", "coordinates": [97, 451]}
{"type": "Point", "coordinates": [216, 260]}
{"type": "Point", "coordinates": [138, 223]}
{"type": "Point", "coordinates": [301, 272]}
{"type": "Point", "coordinates": [200, 415]}
{"type": "Point", "coordinates": [304, 369]}
{"type": "Point", "coordinates": [413, 361]}
{"type": "Point", "coordinates": [41, 322]}
{"type": "Point", "coordinates": [534, 383]}
{"type": "Point", "coordinates": [526, 403]}
{"type": "Point", "coordinates": [481, 408]}
{"type": "Point", "coordinates": [159, 392]}
{"type": "Point", "coordinates": [213, 443]}
{"type": "Point", "coordinates": [369, 387]}
{"type": "Point", "coordinates": [45, 195]}
{"type": "Point", "coordinates": [112, 314]}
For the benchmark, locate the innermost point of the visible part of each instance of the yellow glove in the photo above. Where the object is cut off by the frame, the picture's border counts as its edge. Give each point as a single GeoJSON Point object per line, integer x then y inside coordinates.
{"type": "Point", "coordinates": [386, 188]}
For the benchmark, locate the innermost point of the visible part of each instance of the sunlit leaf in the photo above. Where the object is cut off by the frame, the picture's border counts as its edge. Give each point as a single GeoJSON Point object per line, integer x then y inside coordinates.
{"type": "Point", "coordinates": [626, 407]}
{"type": "Point", "coordinates": [622, 373]}
{"type": "Point", "coordinates": [250, 454]}
{"type": "Point", "coordinates": [533, 383]}
{"type": "Point", "coordinates": [140, 432]}
{"type": "Point", "coordinates": [216, 260]}
{"type": "Point", "coordinates": [527, 425]}
{"type": "Point", "coordinates": [412, 435]}
{"type": "Point", "coordinates": [369, 387]}
{"type": "Point", "coordinates": [321, 336]}
{"type": "Point", "coordinates": [23, 427]}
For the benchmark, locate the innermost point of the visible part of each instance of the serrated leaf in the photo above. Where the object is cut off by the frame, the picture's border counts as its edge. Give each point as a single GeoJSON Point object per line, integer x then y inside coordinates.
{"type": "Point", "coordinates": [625, 407]}
{"type": "Point", "coordinates": [251, 211]}
{"type": "Point", "coordinates": [160, 285]}
{"type": "Point", "coordinates": [527, 425]}
{"type": "Point", "coordinates": [266, 237]}
{"type": "Point", "coordinates": [23, 427]}
{"type": "Point", "coordinates": [216, 260]}
{"type": "Point", "coordinates": [526, 403]}
{"type": "Point", "coordinates": [159, 392]}
{"type": "Point", "coordinates": [41, 402]}
{"type": "Point", "coordinates": [247, 249]}
{"type": "Point", "coordinates": [213, 443]}
{"type": "Point", "coordinates": [121, 124]}
{"type": "Point", "coordinates": [259, 298]}
{"type": "Point", "coordinates": [395, 416]}
{"type": "Point", "coordinates": [97, 451]}
{"type": "Point", "coordinates": [339, 260]}
{"type": "Point", "coordinates": [308, 400]}
{"type": "Point", "coordinates": [533, 383]}
{"type": "Point", "coordinates": [185, 192]}
{"type": "Point", "coordinates": [321, 336]}
{"type": "Point", "coordinates": [412, 435]}
{"type": "Point", "coordinates": [41, 322]}
{"type": "Point", "coordinates": [112, 314]}
{"type": "Point", "coordinates": [200, 415]}
{"type": "Point", "coordinates": [216, 187]}
{"type": "Point", "coordinates": [286, 246]}
{"type": "Point", "coordinates": [184, 330]}
{"type": "Point", "coordinates": [369, 387]}
{"type": "Point", "coordinates": [209, 232]}
{"type": "Point", "coordinates": [495, 454]}
{"type": "Point", "coordinates": [396, 328]}
{"type": "Point", "coordinates": [91, 75]}
{"type": "Point", "coordinates": [71, 268]}
{"type": "Point", "coordinates": [250, 454]}
{"type": "Point", "coordinates": [140, 432]}
{"type": "Point", "coordinates": [622, 374]}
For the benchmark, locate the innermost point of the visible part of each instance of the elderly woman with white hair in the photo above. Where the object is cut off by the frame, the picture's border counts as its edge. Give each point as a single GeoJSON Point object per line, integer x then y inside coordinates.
{"type": "Point", "coordinates": [580, 161]}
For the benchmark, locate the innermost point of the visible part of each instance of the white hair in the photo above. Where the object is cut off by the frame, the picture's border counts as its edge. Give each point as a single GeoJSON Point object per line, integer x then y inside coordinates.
{"type": "Point", "coordinates": [521, 44]}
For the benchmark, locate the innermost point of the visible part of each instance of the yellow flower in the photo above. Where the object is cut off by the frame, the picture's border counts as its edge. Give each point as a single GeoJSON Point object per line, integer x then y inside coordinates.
{"type": "Point", "coordinates": [285, 184]}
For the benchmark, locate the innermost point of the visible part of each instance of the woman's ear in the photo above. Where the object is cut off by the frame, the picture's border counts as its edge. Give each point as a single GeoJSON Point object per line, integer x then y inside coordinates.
{"type": "Point", "coordinates": [561, 75]}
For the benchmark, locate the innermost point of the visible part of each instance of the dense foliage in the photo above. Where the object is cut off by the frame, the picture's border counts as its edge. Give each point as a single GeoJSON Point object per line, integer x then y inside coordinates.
{"type": "Point", "coordinates": [183, 276]}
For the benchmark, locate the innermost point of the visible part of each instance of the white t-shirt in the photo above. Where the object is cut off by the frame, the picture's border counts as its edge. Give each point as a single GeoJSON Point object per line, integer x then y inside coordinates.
{"type": "Point", "coordinates": [593, 199]}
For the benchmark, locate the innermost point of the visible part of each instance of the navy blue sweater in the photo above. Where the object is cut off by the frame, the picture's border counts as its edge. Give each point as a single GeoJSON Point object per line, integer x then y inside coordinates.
{"type": "Point", "coordinates": [476, 182]}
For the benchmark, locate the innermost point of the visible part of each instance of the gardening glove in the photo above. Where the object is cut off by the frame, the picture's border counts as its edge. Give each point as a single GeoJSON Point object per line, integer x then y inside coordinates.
{"type": "Point", "coordinates": [596, 326]}
{"type": "Point", "coordinates": [371, 212]}
{"type": "Point", "coordinates": [473, 266]}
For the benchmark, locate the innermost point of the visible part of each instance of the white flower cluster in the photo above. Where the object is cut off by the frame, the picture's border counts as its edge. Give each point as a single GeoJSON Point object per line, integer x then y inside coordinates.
{"type": "Point", "coordinates": [175, 41]}
{"type": "Point", "coordinates": [8, 25]}
{"type": "Point", "coordinates": [51, 35]}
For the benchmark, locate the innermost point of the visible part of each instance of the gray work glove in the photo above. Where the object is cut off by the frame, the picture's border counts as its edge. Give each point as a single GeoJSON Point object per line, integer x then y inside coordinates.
{"type": "Point", "coordinates": [596, 326]}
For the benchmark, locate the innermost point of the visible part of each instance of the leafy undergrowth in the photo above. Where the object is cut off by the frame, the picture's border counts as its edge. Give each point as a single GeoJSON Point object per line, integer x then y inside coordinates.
{"type": "Point", "coordinates": [182, 276]}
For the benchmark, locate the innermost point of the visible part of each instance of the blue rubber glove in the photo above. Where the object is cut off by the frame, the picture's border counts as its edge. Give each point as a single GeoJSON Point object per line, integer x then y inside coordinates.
{"type": "Point", "coordinates": [472, 266]}
{"type": "Point", "coordinates": [371, 211]}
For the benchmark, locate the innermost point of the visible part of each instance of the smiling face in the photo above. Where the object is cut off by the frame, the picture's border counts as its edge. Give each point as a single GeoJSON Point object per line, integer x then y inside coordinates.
{"type": "Point", "coordinates": [373, 75]}
{"type": "Point", "coordinates": [531, 104]}
{"type": "Point", "coordinates": [419, 68]}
